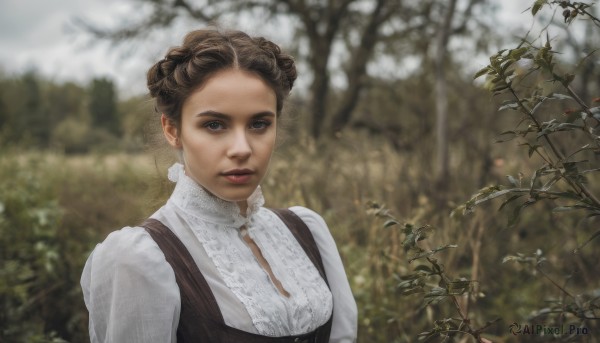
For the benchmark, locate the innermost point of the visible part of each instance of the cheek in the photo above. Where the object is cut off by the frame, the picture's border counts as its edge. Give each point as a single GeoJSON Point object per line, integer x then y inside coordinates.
{"type": "Point", "coordinates": [268, 145]}
{"type": "Point", "coordinates": [199, 149]}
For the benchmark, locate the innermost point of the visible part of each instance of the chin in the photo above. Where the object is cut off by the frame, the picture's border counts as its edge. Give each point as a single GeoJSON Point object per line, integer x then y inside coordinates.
{"type": "Point", "coordinates": [235, 195]}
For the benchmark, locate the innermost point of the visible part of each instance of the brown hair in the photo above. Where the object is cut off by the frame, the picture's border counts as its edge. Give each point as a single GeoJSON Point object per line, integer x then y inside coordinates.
{"type": "Point", "coordinates": [204, 52]}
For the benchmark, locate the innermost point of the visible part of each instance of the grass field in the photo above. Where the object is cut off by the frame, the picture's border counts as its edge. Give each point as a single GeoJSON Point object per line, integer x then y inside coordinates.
{"type": "Point", "coordinates": [55, 208]}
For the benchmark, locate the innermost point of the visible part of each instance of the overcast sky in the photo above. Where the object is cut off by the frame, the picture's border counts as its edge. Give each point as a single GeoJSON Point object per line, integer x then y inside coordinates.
{"type": "Point", "coordinates": [41, 35]}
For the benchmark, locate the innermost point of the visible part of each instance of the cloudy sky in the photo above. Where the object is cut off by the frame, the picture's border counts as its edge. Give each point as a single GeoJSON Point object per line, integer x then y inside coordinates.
{"type": "Point", "coordinates": [42, 35]}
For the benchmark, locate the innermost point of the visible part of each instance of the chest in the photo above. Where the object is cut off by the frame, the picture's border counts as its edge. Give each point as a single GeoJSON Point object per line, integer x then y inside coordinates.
{"type": "Point", "coordinates": [261, 277]}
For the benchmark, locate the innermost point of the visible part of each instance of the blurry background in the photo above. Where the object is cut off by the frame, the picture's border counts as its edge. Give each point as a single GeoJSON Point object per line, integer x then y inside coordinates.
{"type": "Point", "coordinates": [386, 109]}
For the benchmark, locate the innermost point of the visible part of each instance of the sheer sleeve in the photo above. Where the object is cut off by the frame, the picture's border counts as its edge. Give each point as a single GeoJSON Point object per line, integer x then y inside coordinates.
{"type": "Point", "coordinates": [344, 326]}
{"type": "Point", "coordinates": [130, 290]}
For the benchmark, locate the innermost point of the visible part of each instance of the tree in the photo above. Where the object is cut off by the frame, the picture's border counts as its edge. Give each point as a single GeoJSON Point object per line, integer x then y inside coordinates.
{"type": "Point", "coordinates": [359, 27]}
{"type": "Point", "coordinates": [24, 120]}
{"type": "Point", "coordinates": [445, 29]}
{"type": "Point", "coordinates": [103, 105]}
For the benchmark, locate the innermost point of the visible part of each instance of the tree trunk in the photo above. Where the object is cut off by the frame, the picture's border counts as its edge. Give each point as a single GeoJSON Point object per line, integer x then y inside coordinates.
{"type": "Point", "coordinates": [357, 70]}
{"type": "Point", "coordinates": [319, 88]}
{"type": "Point", "coordinates": [441, 96]}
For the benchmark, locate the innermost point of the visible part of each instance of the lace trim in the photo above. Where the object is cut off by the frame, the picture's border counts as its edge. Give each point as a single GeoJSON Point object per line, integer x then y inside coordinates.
{"type": "Point", "coordinates": [193, 199]}
{"type": "Point", "coordinates": [298, 275]}
{"type": "Point", "coordinates": [215, 223]}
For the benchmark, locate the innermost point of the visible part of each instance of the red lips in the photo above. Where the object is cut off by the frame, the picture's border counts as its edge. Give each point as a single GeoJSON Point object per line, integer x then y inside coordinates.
{"type": "Point", "coordinates": [238, 176]}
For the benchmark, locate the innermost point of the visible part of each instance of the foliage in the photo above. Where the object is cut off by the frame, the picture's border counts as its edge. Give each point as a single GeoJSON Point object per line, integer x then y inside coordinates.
{"type": "Point", "coordinates": [561, 133]}
{"type": "Point", "coordinates": [30, 266]}
{"type": "Point", "coordinates": [37, 113]}
{"type": "Point", "coordinates": [383, 157]}
{"type": "Point", "coordinates": [103, 105]}
{"type": "Point", "coordinates": [98, 194]}
{"type": "Point", "coordinates": [430, 278]}
{"type": "Point", "coordinates": [52, 212]}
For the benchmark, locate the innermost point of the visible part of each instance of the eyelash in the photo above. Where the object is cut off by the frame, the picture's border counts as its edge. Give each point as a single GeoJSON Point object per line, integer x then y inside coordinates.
{"type": "Point", "coordinates": [264, 124]}
{"type": "Point", "coordinates": [210, 123]}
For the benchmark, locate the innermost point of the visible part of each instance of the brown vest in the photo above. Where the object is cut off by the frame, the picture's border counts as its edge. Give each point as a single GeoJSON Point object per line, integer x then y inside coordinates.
{"type": "Point", "coordinates": [201, 319]}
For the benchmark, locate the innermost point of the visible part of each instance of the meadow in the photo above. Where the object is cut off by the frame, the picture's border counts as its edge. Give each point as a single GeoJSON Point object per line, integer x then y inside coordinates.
{"type": "Point", "coordinates": [54, 208]}
{"type": "Point", "coordinates": [504, 247]}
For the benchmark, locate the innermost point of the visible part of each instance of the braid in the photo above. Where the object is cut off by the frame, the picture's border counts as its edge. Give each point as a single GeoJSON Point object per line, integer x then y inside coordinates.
{"type": "Point", "coordinates": [203, 52]}
{"type": "Point", "coordinates": [284, 61]}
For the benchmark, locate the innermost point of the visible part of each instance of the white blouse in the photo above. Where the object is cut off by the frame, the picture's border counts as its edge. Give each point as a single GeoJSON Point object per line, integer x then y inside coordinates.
{"type": "Point", "coordinates": [132, 296]}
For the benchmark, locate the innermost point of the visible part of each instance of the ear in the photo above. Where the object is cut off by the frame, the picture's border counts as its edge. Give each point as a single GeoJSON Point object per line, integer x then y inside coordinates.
{"type": "Point", "coordinates": [170, 131]}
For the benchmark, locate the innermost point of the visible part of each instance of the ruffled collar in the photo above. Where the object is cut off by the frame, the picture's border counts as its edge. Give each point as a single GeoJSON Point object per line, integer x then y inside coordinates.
{"type": "Point", "coordinates": [196, 201]}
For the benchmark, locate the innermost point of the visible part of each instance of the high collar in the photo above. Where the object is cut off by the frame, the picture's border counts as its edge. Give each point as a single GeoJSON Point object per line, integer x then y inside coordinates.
{"type": "Point", "coordinates": [194, 200]}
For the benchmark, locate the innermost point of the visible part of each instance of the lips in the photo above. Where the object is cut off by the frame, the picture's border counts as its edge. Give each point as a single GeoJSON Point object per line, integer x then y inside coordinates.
{"type": "Point", "coordinates": [238, 176]}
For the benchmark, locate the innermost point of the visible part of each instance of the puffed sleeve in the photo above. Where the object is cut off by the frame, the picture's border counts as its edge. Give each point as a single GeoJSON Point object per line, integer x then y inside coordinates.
{"type": "Point", "coordinates": [130, 290]}
{"type": "Point", "coordinates": [344, 326]}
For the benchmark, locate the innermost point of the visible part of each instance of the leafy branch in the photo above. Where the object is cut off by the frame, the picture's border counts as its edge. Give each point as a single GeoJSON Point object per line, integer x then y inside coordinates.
{"type": "Point", "coordinates": [505, 75]}
{"type": "Point", "coordinates": [584, 306]}
{"type": "Point", "coordinates": [430, 279]}
{"type": "Point", "coordinates": [523, 76]}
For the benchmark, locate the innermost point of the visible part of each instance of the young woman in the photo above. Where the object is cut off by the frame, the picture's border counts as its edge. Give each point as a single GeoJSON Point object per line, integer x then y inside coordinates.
{"type": "Point", "coordinates": [214, 265]}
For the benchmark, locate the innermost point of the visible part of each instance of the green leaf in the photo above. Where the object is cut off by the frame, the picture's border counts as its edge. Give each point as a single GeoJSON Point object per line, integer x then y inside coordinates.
{"type": "Point", "coordinates": [532, 149]}
{"type": "Point", "coordinates": [510, 258]}
{"type": "Point", "coordinates": [579, 206]}
{"type": "Point", "coordinates": [459, 287]}
{"type": "Point", "coordinates": [492, 196]}
{"type": "Point", "coordinates": [480, 73]}
{"type": "Point", "coordinates": [390, 222]}
{"type": "Point", "coordinates": [514, 218]}
{"type": "Point", "coordinates": [537, 6]}
{"type": "Point", "coordinates": [505, 67]}
{"type": "Point", "coordinates": [514, 105]}
{"type": "Point", "coordinates": [424, 268]}
{"type": "Point", "coordinates": [568, 195]}
{"type": "Point", "coordinates": [436, 292]}
{"type": "Point", "coordinates": [411, 291]}
{"type": "Point", "coordinates": [535, 258]}
{"type": "Point", "coordinates": [509, 200]}
{"type": "Point", "coordinates": [498, 89]}
{"type": "Point", "coordinates": [513, 134]}
{"type": "Point", "coordinates": [409, 284]}
{"type": "Point", "coordinates": [568, 126]}
{"type": "Point", "coordinates": [516, 54]}
{"type": "Point", "coordinates": [595, 112]}
{"type": "Point", "coordinates": [590, 171]}
{"type": "Point", "coordinates": [570, 168]}
{"type": "Point", "coordinates": [559, 96]}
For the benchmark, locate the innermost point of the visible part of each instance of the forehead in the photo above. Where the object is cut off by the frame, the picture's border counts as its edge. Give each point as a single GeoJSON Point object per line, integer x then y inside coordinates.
{"type": "Point", "coordinates": [233, 92]}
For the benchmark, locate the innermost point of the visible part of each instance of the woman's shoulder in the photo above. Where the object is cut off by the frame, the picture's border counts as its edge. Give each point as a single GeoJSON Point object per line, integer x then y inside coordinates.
{"type": "Point", "coordinates": [130, 248]}
{"type": "Point", "coordinates": [312, 219]}
{"type": "Point", "coordinates": [126, 284]}
{"type": "Point", "coordinates": [316, 224]}
{"type": "Point", "coordinates": [127, 241]}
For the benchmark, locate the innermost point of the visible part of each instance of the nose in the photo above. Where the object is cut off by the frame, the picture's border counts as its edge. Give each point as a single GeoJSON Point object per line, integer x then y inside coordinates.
{"type": "Point", "coordinates": [240, 145]}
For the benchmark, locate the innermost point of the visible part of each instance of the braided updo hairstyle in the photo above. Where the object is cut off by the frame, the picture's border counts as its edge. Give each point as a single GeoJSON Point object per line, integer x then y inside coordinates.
{"type": "Point", "coordinates": [205, 52]}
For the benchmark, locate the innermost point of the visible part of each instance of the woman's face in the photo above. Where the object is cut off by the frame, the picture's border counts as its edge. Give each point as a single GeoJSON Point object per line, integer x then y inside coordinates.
{"type": "Point", "coordinates": [228, 130]}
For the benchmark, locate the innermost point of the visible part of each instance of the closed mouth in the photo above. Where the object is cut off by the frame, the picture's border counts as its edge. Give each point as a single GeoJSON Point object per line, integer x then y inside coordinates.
{"type": "Point", "coordinates": [238, 172]}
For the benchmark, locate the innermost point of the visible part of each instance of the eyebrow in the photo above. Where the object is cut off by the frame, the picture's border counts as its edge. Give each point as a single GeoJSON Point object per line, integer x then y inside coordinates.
{"type": "Point", "coordinates": [224, 116]}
